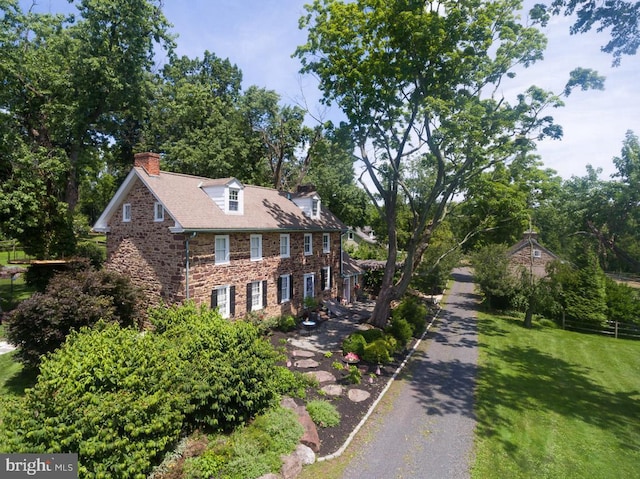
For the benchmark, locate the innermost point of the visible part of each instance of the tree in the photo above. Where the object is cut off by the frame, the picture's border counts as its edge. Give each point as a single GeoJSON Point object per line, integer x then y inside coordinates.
{"type": "Point", "coordinates": [68, 85]}
{"type": "Point", "coordinates": [492, 275]}
{"type": "Point", "coordinates": [332, 171]}
{"type": "Point", "coordinates": [619, 16]}
{"type": "Point", "coordinates": [417, 82]}
{"type": "Point", "coordinates": [41, 323]}
{"type": "Point", "coordinates": [196, 121]}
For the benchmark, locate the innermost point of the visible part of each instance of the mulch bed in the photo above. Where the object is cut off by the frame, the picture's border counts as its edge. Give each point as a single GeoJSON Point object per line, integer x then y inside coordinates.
{"type": "Point", "coordinates": [351, 413]}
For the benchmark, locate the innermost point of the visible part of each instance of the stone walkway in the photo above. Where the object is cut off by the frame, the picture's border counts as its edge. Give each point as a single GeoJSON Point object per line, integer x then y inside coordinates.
{"type": "Point", "coordinates": [327, 381]}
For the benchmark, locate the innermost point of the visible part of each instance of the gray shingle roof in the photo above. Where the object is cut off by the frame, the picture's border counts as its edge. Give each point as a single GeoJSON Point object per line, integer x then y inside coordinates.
{"type": "Point", "coordinates": [192, 209]}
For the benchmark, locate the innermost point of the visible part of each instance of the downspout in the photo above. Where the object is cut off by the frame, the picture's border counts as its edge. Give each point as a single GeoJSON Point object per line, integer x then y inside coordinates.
{"type": "Point", "coordinates": [186, 279]}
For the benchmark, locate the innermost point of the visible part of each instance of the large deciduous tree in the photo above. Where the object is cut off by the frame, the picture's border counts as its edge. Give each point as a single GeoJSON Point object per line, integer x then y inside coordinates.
{"type": "Point", "coordinates": [619, 17]}
{"type": "Point", "coordinates": [420, 84]}
{"type": "Point", "coordinates": [68, 86]}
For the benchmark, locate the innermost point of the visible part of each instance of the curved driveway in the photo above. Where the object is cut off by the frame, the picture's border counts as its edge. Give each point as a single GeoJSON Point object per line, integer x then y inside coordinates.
{"type": "Point", "coordinates": [428, 430]}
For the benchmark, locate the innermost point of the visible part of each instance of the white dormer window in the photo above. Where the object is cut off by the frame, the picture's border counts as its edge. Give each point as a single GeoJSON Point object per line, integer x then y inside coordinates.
{"type": "Point", "coordinates": [234, 201]}
{"type": "Point", "coordinates": [309, 204]}
{"type": "Point", "coordinates": [158, 212]}
{"type": "Point", "coordinates": [315, 207]}
{"type": "Point", "coordinates": [227, 193]}
{"type": "Point", "coordinates": [126, 212]}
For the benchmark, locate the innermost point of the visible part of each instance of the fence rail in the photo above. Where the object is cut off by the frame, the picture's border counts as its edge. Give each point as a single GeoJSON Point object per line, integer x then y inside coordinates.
{"type": "Point", "coordinates": [14, 252]}
{"type": "Point", "coordinates": [615, 329]}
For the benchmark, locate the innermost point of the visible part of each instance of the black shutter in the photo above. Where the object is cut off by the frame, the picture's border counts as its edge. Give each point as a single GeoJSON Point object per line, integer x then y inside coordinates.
{"type": "Point", "coordinates": [214, 299]}
{"type": "Point", "coordinates": [248, 297]}
{"type": "Point", "coordinates": [279, 289]}
{"type": "Point", "coordinates": [264, 293]}
{"type": "Point", "coordinates": [330, 278]}
{"type": "Point", "coordinates": [232, 301]}
{"type": "Point", "coordinates": [290, 287]}
{"type": "Point", "coordinates": [323, 278]}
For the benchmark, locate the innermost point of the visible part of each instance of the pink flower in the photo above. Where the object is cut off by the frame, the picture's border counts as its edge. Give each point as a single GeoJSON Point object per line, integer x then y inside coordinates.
{"type": "Point", "coordinates": [351, 357]}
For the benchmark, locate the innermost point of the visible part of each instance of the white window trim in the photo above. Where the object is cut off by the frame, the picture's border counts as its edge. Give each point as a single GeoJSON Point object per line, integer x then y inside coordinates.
{"type": "Point", "coordinates": [285, 297]}
{"type": "Point", "coordinates": [326, 243]}
{"type": "Point", "coordinates": [158, 211]}
{"type": "Point", "coordinates": [287, 253]}
{"type": "Point", "coordinates": [126, 212]}
{"type": "Point", "coordinates": [256, 306]}
{"type": "Point", "coordinates": [310, 236]}
{"type": "Point", "coordinates": [327, 278]}
{"type": "Point", "coordinates": [226, 259]}
{"type": "Point", "coordinates": [258, 255]}
{"type": "Point", "coordinates": [313, 285]}
{"type": "Point", "coordinates": [237, 200]}
{"type": "Point", "coordinates": [226, 311]}
{"type": "Point", "coordinates": [537, 253]}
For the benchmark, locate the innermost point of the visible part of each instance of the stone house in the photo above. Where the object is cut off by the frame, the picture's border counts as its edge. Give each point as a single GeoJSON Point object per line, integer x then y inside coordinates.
{"type": "Point", "coordinates": [218, 242]}
{"type": "Point", "coordinates": [530, 255]}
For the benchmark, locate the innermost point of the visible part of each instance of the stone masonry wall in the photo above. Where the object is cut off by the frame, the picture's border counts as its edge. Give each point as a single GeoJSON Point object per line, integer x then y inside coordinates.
{"type": "Point", "coordinates": [154, 259]}
{"type": "Point", "coordinates": [205, 275]}
{"type": "Point", "coordinates": [145, 250]}
{"type": "Point", "coordinates": [523, 258]}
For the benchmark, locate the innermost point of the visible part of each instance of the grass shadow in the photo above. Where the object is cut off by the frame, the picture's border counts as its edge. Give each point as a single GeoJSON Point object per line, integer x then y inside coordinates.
{"type": "Point", "coordinates": [536, 380]}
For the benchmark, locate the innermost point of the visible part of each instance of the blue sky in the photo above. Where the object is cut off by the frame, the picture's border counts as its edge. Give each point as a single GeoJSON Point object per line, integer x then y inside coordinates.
{"type": "Point", "coordinates": [259, 36]}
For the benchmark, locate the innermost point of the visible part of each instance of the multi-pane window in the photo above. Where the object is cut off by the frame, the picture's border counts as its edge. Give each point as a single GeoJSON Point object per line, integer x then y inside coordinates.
{"type": "Point", "coordinates": [326, 243]}
{"type": "Point", "coordinates": [309, 285]}
{"type": "Point", "coordinates": [326, 278]}
{"type": "Point", "coordinates": [158, 212]}
{"type": "Point", "coordinates": [315, 208]}
{"type": "Point", "coordinates": [537, 253]}
{"type": "Point", "coordinates": [285, 248]}
{"type": "Point", "coordinates": [126, 212]}
{"type": "Point", "coordinates": [222, 249]}
{"type": "Point", "coordinates": [256, 295]}
{"type": "Point", "coordinates": [256, 247]}
{"type": "Point", "coordinates": [284, 288]}
{"type": "Point", "coordinates": [308, 244]}
{"type": "Point", "coordinates": [233, 199]}
{"type": "Point", "coordinates": [223, 301]}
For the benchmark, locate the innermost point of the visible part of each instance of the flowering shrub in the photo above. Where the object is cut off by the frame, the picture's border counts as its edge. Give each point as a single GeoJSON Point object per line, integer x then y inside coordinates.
{"type": "Point", "coordinates": [351, 358]}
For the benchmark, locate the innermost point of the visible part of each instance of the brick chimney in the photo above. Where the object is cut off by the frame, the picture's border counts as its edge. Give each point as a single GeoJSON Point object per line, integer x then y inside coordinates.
{"type": "Point", "coordinates": [149, 161]}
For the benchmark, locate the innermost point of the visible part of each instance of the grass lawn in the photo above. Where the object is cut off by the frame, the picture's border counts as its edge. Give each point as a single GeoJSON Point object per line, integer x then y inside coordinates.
{"type": "Point", "coordinates": [556, 404]}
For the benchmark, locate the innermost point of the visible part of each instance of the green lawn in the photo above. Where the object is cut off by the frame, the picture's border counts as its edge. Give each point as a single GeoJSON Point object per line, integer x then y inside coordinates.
{"type": "Point", "coordinates": [556, 404]}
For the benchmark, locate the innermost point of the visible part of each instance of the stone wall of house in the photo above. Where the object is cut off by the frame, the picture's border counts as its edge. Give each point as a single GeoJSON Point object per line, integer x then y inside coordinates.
{"type": "Point", "coordinates": [524, 258]}
{"type": "Point", "coordinates": [145, 250]}
{"type": "Point", "coordinates": [154, 258]}
{"type": "Point", "coordinates": [205, 275]}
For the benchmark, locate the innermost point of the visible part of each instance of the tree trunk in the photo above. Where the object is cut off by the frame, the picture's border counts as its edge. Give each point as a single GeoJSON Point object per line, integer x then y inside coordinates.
{"type": "Point", "coordinates": [71, 193]}
{"type": "Point", "coordinates": [382, 310]}
{"type": "Point", "coordinates": [528, 317]}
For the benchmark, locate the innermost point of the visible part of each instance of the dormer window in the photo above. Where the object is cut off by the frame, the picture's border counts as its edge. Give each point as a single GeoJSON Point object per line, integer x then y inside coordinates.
{"type": "Point", "coordinates": [234, 201]}
{"type": "Point", "coordinates": [315, 207]}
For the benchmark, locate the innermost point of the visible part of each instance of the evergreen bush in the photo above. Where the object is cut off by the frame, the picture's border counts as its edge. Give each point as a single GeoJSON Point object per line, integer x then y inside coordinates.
{"type": "Point", "coordinates": [377, 352]}
{"type": "Point", "coordinates": [401, 330]}
{"type": "Point", "coordinates": [354, 343]}
{"type": "Point", "coordinates": [323, 413]}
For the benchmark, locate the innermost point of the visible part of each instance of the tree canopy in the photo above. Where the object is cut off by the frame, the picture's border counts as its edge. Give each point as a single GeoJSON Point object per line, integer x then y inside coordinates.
{"type": "Point", "coordinates": [418, 83]}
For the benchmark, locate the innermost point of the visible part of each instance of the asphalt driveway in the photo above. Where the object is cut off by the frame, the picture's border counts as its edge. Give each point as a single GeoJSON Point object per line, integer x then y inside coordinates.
{"type": "Point", "coordinates": [428, 432]}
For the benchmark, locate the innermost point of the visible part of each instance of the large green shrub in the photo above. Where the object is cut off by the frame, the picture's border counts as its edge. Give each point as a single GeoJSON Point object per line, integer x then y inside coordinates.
{"type": "Point", "coordinates": [40, 324]}
{"type": "Point", "coordinates": [113, 395]}
{"type": "Point", "coordinates": [354, 343]}
{"type": "Point", "coordinates": [229, 366]}
{"type": "Point", "coordinates": [414, 312]}
{"type": "Point", "coordinates": [401, 330]}
{"type": "Point", "coordinates": [377, 352]}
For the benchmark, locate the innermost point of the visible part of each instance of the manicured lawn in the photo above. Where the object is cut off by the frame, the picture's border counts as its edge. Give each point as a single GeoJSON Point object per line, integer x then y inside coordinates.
{"type": "Point", "coordinates": [553, 404]}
